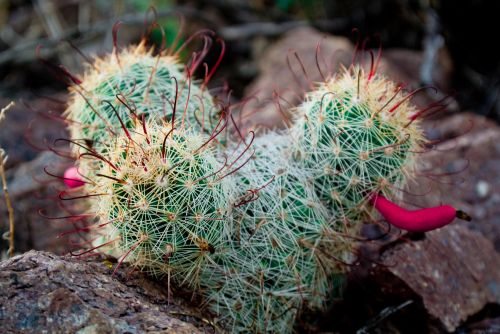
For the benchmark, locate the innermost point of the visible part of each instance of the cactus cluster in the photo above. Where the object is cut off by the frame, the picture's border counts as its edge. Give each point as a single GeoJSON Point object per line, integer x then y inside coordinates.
{"type": "Point", "coordinates": [259, 227]}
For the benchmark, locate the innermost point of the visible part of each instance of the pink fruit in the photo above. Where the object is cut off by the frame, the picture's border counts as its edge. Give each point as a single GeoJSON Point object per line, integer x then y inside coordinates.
{"type": "Point", "coordinates": [422, 220]}
{"type": "Point", "coordinates": [72, 178]}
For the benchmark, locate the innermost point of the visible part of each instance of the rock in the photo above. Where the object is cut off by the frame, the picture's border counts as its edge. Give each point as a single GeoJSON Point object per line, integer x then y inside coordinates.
{"type": "Point", "coordinates": [482, 188]}
{"type": "Point", "coordinates": [43, 293]}
{"type": "Point", "coordinates": [454, 271]}
{"type": "Point", "coordinates": [29, 127]}
{"type": "Point", "coordinates": [30, 177]}
{"type": "Point", "coordinates": [403, 65]}
{"type": "Point", "coordinates": [486, 326]}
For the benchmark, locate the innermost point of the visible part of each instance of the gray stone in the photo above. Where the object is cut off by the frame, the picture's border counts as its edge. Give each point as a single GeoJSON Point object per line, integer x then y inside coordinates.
{"type": "Point", "coordinates": [43, 293]}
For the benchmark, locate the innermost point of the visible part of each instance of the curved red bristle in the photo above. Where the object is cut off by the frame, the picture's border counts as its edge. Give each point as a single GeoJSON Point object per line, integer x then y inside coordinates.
{"type": "Point", "coordinates": [411, 94]}
{"type": "Point", "coordinates": [316, 58]}
{"type": "Point", "coordinates": [116, 51]}
{"type": "Point", "coordinates": [148, 28]}
{"type": "Point", "coordinates": [71, 177]}
{"type": "Point", "coordinates": [202, 32]}
{"type": "Point", "coordinates": [217, 63]}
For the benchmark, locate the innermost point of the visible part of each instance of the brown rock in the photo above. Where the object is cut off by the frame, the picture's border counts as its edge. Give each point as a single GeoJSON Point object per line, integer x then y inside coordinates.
{"type": "Point", "coordinates": [486, 326]}
{"type": "Point", "coordinates": [404, 65]}
{"type": "Point", "coordinates": [28, 128]}
{"type": "Point", "coordinates": [44, 293]}
{"type": "Point", "coordinates": [29, 177]}
{"type": "Point", "coordinates": [454, 271]}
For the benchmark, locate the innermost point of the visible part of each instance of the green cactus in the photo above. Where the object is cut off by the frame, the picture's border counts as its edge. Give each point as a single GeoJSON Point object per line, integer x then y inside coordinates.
{"type": "Point", "coordinates": [279, 249]}
{"type": "Point", "coordinates": [355, 143]}
{"type": "Point", "coordinates": [259, 231]}
{"type": "Point", "coordinates": [165, 206]}
{"type": "Point", "coordinates": [125, 86]}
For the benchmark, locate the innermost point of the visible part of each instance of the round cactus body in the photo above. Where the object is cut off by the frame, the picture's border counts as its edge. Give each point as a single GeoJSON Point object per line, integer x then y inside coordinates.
{"type": "Point", "coordinates": [163, 203]}
{"type": "Point", "coordinates": [131, 84]}
{"type": "Point", "coordinates": [357, 139]}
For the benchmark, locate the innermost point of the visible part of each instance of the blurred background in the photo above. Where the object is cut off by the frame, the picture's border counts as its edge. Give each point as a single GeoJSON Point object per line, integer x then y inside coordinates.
{"type": "Point", "coordinates": [448, 44]}
{"type": "Point", "coordinates": [464, 29]}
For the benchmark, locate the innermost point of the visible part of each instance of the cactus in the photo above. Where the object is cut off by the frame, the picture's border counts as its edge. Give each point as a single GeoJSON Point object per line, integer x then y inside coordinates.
{"type": "Point", "coordinates": [164, 204]}
{"type": "Point", "coordinates": [358, 139]}
{"type": "Point", "coordinates": [259, 227]}
{"type": "Point", "coordinates": [279, 258]}
{"type": "Point", "coordinates": [130, 84]}
{"type": "Point", "coordinates": [294, 233]}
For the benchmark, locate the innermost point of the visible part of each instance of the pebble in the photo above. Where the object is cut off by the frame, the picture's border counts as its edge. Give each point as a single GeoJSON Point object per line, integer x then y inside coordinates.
{"type": "Point", "coordinates": [482, 188]}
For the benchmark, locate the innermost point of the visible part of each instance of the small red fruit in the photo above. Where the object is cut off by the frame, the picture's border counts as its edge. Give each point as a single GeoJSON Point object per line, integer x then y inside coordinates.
{"type": "Point", "coordinates": [422, 220]}
{"type": "Point", "coordinates": [72, 178]}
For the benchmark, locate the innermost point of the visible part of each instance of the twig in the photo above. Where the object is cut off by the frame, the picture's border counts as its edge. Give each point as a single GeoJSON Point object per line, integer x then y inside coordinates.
{"type": "Point", "coordinates": [237, 32]}
{"type": "Point", "coordinates": [271, 29]}
{"type": "Point", "coordinates": [381, 316]}
{"type": "Point", "coordinates": [99, 27]}
{"type": "Point", "coordinates": [50, 18]}
{"type": "Point", "coordinates": [10, 210]}
{"type": "Point", "coordinates": [205, 320]}
{"type": "Point", "coordinates": [433, 42]}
